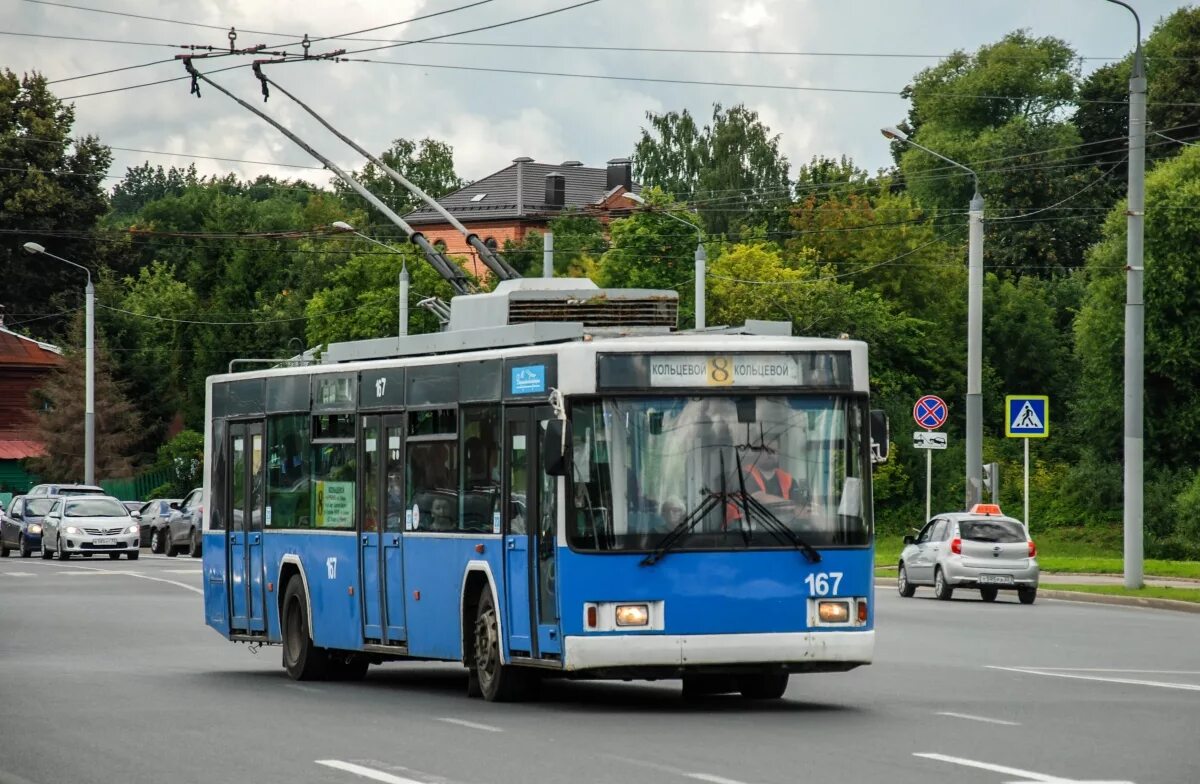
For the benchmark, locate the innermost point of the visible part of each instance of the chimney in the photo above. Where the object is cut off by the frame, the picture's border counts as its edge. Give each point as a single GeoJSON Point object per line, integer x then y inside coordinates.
{"type": "Point", "coordinates": [556, 190]}
{"type": "Point", "coordinates": [620, 172]}
{"type": "Point", "coordinates": [521, 182]}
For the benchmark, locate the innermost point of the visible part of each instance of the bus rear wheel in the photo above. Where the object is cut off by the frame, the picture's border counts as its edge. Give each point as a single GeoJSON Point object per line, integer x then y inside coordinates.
{"type": "Point", "coordinates": [767, 686]}
{"type": "Point", "coordinates": [302, 660]}
{"type": "Point", "coordinates": [497, 682]}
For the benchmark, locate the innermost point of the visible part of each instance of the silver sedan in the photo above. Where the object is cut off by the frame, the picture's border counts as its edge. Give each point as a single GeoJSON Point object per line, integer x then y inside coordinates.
{"type": "Point", "coordinates": [87, 525]}
{"type": "Point", "coordinates": [980, 549]}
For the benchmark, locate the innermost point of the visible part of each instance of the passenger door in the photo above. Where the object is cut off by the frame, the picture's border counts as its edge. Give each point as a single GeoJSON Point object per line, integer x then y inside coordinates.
{"type": "Point", "coordinates": [245, 536]}
{"type": "Point", "coordinates": [530, 538]}
{"type": "Point", "coordinates": [381, 526]}
{"type": "Point", "coordinates": [369, 504]}
{"type": "Point", "coordinates": [392, 491]}
{"type": "Point", "coordinates": [920, 568]}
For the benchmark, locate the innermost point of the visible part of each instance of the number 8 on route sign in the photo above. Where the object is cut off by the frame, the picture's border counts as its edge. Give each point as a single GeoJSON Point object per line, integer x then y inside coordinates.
{"type": "Point", "coordinates": [930, 412]}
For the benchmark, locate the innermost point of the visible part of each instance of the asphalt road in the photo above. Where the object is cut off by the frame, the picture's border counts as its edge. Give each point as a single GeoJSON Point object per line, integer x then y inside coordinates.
{"type": "Point", "coordinates": [107, 674]}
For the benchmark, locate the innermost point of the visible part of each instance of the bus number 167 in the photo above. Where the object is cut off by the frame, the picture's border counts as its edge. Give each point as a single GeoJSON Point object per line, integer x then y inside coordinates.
{"type": "Point", "coordinates": [818, 584]}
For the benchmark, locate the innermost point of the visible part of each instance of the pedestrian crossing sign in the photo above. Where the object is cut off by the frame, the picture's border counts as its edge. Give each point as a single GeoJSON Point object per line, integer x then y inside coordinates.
{"type": "Point", "coordinates": [1027, 416]}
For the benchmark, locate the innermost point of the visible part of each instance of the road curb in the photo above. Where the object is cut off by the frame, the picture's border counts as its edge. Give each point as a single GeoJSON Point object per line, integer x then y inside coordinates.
{"type": "Point", "coordinates": [1097, 598]}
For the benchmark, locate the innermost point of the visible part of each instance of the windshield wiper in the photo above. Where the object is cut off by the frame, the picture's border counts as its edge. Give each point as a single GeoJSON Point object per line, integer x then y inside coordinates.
{"type": "Point", "coordinates": [684, 527]}
{"type": "Point", "coordinates": [771, 522]}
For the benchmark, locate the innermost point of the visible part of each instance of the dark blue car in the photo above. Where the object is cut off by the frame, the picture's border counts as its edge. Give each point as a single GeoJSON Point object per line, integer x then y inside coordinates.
{"type": "Point", "coordinates": [21, 524]}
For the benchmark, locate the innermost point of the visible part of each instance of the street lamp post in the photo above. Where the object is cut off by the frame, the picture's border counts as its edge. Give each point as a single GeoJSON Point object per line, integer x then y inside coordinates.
{"type": "Point", "coordinates": [974, 490]}
{"type": "Point", "coordinates": [89, 415]}
{"type": "Point", "coordinates": [402, 282]}
{"type": "Point", "coordinates": [701, 257]}
{"type": "Point", "coordinates": [1135, 314]}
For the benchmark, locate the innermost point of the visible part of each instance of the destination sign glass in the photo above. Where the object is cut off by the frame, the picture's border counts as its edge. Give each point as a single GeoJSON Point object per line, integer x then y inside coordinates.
{"type": "Point", "coordinates": [823, 369]}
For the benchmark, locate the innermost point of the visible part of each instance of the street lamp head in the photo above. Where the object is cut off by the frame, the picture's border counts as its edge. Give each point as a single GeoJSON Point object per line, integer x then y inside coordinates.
{"type": "Point", "coordinates": [894, 133]}
{"type": "Point", "coordinates": [33, 247]}
{"type": "Point", "coordinates": [633, 197]}
{"type": "Point", "coordinates": [342, 226]}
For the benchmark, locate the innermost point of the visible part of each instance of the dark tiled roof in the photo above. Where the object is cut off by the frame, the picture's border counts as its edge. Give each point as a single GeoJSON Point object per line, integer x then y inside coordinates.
{"type": "Point", "coordinates": [584, 187]}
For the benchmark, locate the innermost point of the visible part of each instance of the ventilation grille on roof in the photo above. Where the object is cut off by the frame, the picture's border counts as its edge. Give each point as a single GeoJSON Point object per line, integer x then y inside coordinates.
{"type": "Point", "coordinates": [597, 311]}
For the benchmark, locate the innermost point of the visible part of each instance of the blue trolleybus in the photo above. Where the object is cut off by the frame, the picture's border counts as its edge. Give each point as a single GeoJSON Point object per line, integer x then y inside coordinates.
{"type": "Point", "coordinates": [558, 485]}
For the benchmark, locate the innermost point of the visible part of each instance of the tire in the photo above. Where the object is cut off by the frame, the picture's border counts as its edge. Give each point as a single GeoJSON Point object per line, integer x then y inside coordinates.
{"type": "Point", "coordinates": [1027, 595]}
{"type": "Point", "coordinates": [4, 550]}
{"type": "Point", "coordinates": [47, 553]}
{"type": "Point", "coordinates": [134, 555]}
{"type": "Point", "coordinates": [696, 687]}
{"type": "Point", "coordinates": [195, 548]}
{"type": "Point", "coordinates": [114, 556]}
{"type": "Point", "coordinates": [941, 589]}
{"type": "Point", "coordinates": [767, 686]}
{"type": "Point", "coordinates": [156, 541]}
{"type": "Point", "coordinates": [497, 682]}
{"type": "Point", "coordinates": [905, 588]}
{"type": "Point", "coordinates": [169, 548]}
{"type": "Point", "coordinates": [989, 594]}
{"type": "Point", "coordinates": [302, 660]}
{"type": "Point", "coordinates": [63, 555]}
{"type": "Point", "coordinates": [25, 551]}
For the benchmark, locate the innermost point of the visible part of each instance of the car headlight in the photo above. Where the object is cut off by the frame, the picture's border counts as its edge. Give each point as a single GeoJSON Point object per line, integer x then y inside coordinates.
{"type": "Point", "coordinates": [70, 529]}
{"type": "Point", "coordinates": [35, 529]}
{"type": "Point", "coordinates": [633, 614]}
{"type": "Point", "coordinates": [133, 529]}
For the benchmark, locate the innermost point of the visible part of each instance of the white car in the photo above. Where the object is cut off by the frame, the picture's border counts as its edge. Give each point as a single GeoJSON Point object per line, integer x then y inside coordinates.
{"type": "Point", "coordinates": [87, 525]}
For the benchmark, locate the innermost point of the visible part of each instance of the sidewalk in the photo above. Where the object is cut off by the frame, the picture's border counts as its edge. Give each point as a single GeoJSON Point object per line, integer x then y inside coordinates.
{"type": "Point", "coordinates": [1067, 578]}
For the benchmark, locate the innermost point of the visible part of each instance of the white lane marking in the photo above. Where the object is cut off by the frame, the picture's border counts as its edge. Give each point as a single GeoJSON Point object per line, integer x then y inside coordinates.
{"type": "Point", "coordinates": [95, 570]}
{"type": "Point", "coordinates": [302, 687]}
{"type": "Point", "coordinates": [984, 719]}
{"type": "Point", "coordinates": [1024, 774]}
{"type": "Point", "coordinates": [712, 778]}
{"type": "Point", "coordinates": [1105, 669]}
{"type": "Point", "coordinates": [473, 725]}
{"type": "Point", "coordinates": [182, 571]}
{"type": "Point", "coordinates": [91, 574]}
{"type": "Point", "coordinates": [366, 773]}
{"type": "Point", "coordinates": [1125, 681]}
{"type": "Point", "coordinates": [676, 771]}
{"type": "Point", "coordinates": [18, 574]}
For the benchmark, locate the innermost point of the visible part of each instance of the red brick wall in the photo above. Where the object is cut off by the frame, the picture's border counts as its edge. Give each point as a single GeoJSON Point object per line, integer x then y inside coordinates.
{"type": "Point", "coordinates": [456, 243]}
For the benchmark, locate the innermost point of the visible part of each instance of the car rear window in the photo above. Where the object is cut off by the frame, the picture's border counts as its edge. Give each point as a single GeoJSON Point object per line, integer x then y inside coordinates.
{"type": "Point", "coordinates": [96, 507]}
{"type": "Point", "coordinates": [1000, 531]}
{"type": "Point", "coordinates": [38, 507]}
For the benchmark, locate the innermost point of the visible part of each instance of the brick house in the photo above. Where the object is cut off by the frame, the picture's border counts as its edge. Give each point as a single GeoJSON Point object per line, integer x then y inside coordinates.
{"type": "Point", "coordinates": [522, 197]}
{"type": "Point", "coordinates": [24, 365]}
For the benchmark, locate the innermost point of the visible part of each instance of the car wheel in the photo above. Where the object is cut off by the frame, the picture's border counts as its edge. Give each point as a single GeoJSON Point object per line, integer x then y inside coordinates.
{"type": "Point", "coordinates": [169, 549]}
{"type": "Point", "coordinates": [302, 660]}
{"type": "Point", "coordinates": [989, 594]}
{"type": "Point", "coordinates": [156, 542]}
{"type": "Point", "coordinates": [497, 682]}
{"type": "Point", "coordinates": [941, 588]}
{"type": "Point", "coordinates": [767, 686]}
{"type": "Point", "coordinates": [194, 544]}
{"type": "Point", "coordinates": [63, 555]}
{"type": "Point", "coordinates": [1027, 595]}
{"type": "Point", "coordinates": [905, 588]}
{"type": "Point", "coordinates": [25, 551]}
{"type": "Point", "coordinates": [114, 556]}
{"type": "Point", "coordinates": [133, 556]}
{"type": "Point", "coordinates": [47, 553]}
{"type": "Point", "coordinates": [4, 550]}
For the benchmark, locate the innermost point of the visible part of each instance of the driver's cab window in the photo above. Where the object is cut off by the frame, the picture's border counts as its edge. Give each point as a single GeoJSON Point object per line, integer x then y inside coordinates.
{"type": "Point", "coordinates": [939, 531]}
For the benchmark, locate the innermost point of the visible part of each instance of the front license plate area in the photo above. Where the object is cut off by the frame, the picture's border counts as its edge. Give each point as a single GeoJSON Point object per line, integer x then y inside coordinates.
{"type": "Point", "coordinates": [104, 541]}
{"type": "Point", "coordinates": [995, 579]}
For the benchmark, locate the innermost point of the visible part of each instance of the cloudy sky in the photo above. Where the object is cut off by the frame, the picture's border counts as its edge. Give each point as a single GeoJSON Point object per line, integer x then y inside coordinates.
{"type": "Point", "coordinates": [492, 117]}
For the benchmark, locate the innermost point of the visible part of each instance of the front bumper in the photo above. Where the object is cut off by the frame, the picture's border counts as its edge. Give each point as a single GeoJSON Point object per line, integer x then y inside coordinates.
{"type": "Point", "coordinates": [961, 575]}
{"type": "Point", "coordinates": [798, 651]}
{"type": "Point", "coordinates": [85, 543]}
{"type": "Point", "coordinates": [32, 541]}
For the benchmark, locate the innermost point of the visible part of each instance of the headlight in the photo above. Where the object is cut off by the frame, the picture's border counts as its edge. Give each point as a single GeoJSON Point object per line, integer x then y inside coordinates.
{"type": "Point", "coordinates": [34, 528]}
{"type": "Point", "coordinates": [833, 612]}
{"type": "Point", "coordinates": [633, 614]}
{"type": "Point", "coordinates": [70, 529]}
{"type": "Point", "coordinates": [133, 529]}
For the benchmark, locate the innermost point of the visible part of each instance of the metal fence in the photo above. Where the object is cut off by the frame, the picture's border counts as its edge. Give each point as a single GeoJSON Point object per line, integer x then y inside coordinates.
{"type": "Point", "coordinates": [136, 488]}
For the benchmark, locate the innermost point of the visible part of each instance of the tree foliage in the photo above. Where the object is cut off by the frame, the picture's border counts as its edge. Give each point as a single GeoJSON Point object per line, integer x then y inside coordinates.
{"type": "Point", "coordinates": [579, 242]}
{"type": "Point", "coordinates": [182, 459]}
{"type": "Point", "coordinates": [428, 164]}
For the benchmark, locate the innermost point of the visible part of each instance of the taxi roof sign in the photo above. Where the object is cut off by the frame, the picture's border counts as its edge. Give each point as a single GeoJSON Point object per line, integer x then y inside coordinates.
{"type": "Point", "coordinates": [986, 509]}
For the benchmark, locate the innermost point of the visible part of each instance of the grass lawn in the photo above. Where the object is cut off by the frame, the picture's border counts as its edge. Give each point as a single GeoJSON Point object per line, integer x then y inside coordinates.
{"type": "Point", "coordinates": [1085, 550]}
{"type": "Point", "coordinates": [1149, 592]}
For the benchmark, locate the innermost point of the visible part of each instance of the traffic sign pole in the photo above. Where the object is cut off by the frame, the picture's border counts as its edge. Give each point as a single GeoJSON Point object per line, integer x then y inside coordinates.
{"type": "Point", "coordinates": [928, 482]}
{"type": "Point", "coordinates": [1027, 484]}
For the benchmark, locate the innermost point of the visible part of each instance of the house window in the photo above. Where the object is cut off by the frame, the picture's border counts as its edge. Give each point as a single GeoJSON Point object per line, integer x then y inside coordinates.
{"type": "Point", "coordinates": [439, 246]}
{"type": "Point", "coordinates": [479, 197]}
{"type": "Point", "coordinates": [490, 242]}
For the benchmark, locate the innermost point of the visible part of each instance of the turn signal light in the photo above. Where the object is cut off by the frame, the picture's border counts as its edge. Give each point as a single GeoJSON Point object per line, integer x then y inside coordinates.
{"type": "Point", "coordinates": [862, 611]}
{"type": "Point", "coordinates": [591, 616]}
{"type": "Point", "coordinates": [1032, 549]}
{"type": "Point", "coordinates": [833, 612]}
{"type": "Point", "coordinates": [956, 546]}
{"type": "Point", "coordinates": [633, 614]}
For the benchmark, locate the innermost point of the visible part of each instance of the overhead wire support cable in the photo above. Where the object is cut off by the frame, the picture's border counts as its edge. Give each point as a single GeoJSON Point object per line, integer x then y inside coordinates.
{"type": "Point", "coordinates": [447, 269]}
{"type": "Point", "coordinates": [494, 261]}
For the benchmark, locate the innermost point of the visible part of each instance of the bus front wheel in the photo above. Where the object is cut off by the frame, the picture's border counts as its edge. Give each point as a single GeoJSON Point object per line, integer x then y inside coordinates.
{"type": "Point", "coordinates": [497, 682]}
{"type": "Point", "coordinates": [767, 686]}
{"type": "Point", "coordinates": [302, 660]}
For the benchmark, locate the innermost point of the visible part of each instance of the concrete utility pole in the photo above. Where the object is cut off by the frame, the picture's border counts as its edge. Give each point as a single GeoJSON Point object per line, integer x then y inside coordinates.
{"type": "Point", "coordinates": [548, 255]}
{"type": "Point", "coordinates": [89, 415]}
{"type": "Point", "coordinates": [974, 469]}
{"type": "Point", "coordinates": [404, 283]}
{"type": "Point", "coordinates": [701, 257]}
{"type": "Point", "coordinates": [1135, 312]}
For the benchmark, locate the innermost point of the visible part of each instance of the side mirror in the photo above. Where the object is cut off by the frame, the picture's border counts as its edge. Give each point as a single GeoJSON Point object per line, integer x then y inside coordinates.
{"type": "Point", "coordinates": [555, 448]}
{"type": "Point", "coordinates": [909, 540]}
{"type": "Point", "coordinates": [880, 441]}
{"type": "Point", "coordinates": [136, 514]}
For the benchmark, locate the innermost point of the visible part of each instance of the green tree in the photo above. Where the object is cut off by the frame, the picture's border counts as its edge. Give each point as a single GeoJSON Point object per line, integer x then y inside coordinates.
{"type": "Point", "coordinates": [182, 458]}
{"type": "Point", "coordinates": [428, 164]}
{"type": "Point", "coordinates": [1001, 110]}
{"type": "Point", "coordinates": [732, 167]}
{"type": "Point", "coordinates": [579, 242]}
{"type": "Point", "coordinates": [144, 183]}
{"type": "Point", "coordinates": [51, 190]}
{"type": "Point", "coordinates": [61, 418]}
